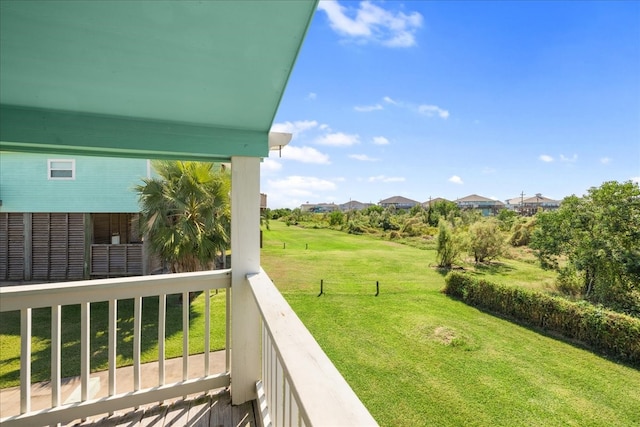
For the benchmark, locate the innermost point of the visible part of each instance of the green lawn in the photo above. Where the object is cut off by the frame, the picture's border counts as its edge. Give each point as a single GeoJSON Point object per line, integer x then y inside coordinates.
{"type": "Point", "coordinates": [413, 355]}
{"type": "Point", "coordinates": [417, 357]}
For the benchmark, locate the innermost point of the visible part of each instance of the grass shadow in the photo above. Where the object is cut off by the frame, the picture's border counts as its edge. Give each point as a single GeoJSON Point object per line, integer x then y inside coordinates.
{"type": "Point", "coordinates": [554, 335]}
{"type": "Point", "coordinates": [491, 268]}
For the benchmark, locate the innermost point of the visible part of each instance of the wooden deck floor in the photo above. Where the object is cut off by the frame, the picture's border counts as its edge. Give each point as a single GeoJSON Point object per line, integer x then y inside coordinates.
{"type": "Point", "coordinates": [212, 410]}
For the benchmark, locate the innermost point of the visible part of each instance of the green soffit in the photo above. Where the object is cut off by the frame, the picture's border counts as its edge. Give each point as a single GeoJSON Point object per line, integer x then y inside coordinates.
{"type": "Point", "coordinates": [154, 79]}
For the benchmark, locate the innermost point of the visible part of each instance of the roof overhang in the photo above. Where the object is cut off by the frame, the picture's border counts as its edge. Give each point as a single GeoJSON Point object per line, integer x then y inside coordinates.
{"type": "Point", "coordinates": [185, 80]}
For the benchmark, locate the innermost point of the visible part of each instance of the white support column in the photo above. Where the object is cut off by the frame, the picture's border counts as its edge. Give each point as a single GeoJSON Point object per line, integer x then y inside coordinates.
{"type": "Point", "coordinates": [245, 259]}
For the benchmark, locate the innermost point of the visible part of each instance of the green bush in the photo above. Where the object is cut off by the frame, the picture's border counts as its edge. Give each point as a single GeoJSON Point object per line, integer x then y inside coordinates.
{"type": "Point", "coordinates": [615, 334]}
{"type": "Point", "coordinates": [569, 281]}
{"type": "Point", "coordinates": [447, 245]}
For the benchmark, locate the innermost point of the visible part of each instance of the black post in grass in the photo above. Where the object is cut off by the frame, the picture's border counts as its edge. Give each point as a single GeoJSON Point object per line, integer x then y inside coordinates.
{"type": "Point", "coordinates": [321, 287]}
{"type": "Point", "coordinates": [284, 245]}
{"type": "Point", "coordinates": [377, 288]}
{"type": "Point", "coordinates": [306, 246]}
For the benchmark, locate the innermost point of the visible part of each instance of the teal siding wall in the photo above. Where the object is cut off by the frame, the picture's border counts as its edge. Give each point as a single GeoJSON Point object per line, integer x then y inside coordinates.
{"type": "Point", "coordinates": [101, 184]}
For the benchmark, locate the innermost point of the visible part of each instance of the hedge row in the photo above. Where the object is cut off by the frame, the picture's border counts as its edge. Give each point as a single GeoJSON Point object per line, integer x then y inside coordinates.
{"type": "Point", "coordinates": [612, 333]}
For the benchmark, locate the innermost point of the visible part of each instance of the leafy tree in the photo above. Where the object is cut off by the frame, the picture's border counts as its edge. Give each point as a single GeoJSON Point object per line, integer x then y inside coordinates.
{"type": "Point", "coordinates": [185, 213]}
{"type": "Point", "coordinates": [522, 231]}
{"type": "Point", "coordinates": [280, 212]}
{"type": "Point", "coordinates": [441, 209]}
{"type": "Point", "coordinates": [507, 219]}
{"type": "Point", "coordinates": [373, 208]}
{"type": "Point", "coordinates": [447, 245]}
{"type": "Point", "coordinates": [416, 210]}
{"type": "Point", "coordinates": [265, 216]}
{"type": "Point", "coordinates": [485, 240]}
{"type": "Point", "coordinates": [336, 218]}
{"type": "Point", "coordinates": [598, 236]}
{"type": "Point", "coordinates": [388, 220]}
{"type": "Point", "coordinates": [294, 217]}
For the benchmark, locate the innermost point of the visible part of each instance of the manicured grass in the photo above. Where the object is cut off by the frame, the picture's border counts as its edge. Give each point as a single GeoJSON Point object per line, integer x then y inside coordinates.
{"type": "Point", "coordinates": [416, 357]}
{"type": "Point", "coordinates": [41, 336]}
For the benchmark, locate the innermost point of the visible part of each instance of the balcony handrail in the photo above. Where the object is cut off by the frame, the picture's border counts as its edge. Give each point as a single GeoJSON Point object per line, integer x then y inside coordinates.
{"type": "Point", "coordinates": [55, 295]}
{"type": "Point", "coordinates": [67, 293]}
{"type": "Point", "coordinates": [301, 384]}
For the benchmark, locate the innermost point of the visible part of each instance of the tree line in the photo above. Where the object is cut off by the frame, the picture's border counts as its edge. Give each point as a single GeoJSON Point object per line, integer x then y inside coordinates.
{"type": "Point", "coordinates": [592, 242]}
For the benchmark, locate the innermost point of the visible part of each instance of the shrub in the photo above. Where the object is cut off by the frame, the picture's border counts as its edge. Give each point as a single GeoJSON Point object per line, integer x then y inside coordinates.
{"type": "Point", "coordinates": [615, 334]}
{"type": "Point", "coordinates": [447, 248]}
{"type": "Point", "coordinates": [355, 227]}
{"type": "Point", "coordinates": [485, 240]}
{"type": "Point", "coordinates": [522, 232]}
{"type": "Point", "coordinates": [336, 218]}
{"type": "Point", "coordinates": [569, 281]}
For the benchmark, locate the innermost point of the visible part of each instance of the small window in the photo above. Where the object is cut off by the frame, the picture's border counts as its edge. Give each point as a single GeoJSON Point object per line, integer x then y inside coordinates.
{"type": "Point", "coordinates": [62, 169]}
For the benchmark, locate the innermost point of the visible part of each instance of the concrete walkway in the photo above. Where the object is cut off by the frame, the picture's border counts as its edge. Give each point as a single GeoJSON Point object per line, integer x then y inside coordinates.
{"type": "Point", "coordinates": [99, 383]}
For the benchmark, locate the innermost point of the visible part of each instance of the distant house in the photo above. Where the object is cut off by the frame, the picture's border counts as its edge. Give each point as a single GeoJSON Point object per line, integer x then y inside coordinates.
{"type": "Point", "coordinates": [354, 205]}
{"type": "Point", "coordinates": [319, 207]}
{"type": "Point", "coordinates": [483, 204]}
{"type": "Point", "coordinates": [65, 217]}
{"type": "Point", "coordinates": [433, 201]}
{"type": "Point", "coordinates": [398, 202]}
{"type": "Point", "coordinates": [531, 205]}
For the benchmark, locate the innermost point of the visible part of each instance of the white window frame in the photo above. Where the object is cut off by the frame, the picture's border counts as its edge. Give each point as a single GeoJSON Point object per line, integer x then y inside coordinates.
{"type": "Point", "coordinates": [66, 178]}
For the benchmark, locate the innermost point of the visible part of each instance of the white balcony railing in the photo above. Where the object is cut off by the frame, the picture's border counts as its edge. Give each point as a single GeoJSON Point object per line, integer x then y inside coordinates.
{"type": "Point", "coordinates": [299, 385]}
{"type": "Point", "coordinates": [54, 295]}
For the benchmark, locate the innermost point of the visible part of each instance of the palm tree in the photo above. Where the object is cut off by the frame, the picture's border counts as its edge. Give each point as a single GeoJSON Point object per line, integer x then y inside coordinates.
{"type": "Point", "coordinates": [185, 213]}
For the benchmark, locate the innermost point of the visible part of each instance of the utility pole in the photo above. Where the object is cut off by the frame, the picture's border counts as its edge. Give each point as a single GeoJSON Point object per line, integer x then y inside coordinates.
{"type": "Point", "coordinates": [522, 202]}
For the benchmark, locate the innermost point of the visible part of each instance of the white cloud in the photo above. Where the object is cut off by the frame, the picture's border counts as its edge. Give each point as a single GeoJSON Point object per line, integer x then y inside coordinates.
{"type": "Point", "coordinates": [380, 140]}
{"type": "Point", "coordinates": [338, 139]}
{"type": "Point", "coordinates": [572, 159]}
{"type": "Point", "coordinates": [296, 185]}
{"type": "Point", "coordinates": [270, 165]}
{"type": "Point", "coordinates": [304, 155]}
{"type": "Point", "coordinates": [456, 180]}
{"type": "Point", "coordinates": [389, 100]}
{"type": "Point", "coordinates": [312, 95]}
{"type": "Point", "coordinates": [384, 178]}
{"type": "Point", "coordinates": [363, 158]}
{"type": "Point", "coordinates": [605, 160]}
{"type": "Point", "coordinates": [433, 110]}
{"type": "Point", "coordinates": [371, 23]}
{"type": "Point", "coordinates": [546, 158]}
{"type": "Point", "coordinates": [636, 179]}
{"type": "Point", "coordinates": [367, 108]}
{"type": "Point", "coordinates": [295, 128]}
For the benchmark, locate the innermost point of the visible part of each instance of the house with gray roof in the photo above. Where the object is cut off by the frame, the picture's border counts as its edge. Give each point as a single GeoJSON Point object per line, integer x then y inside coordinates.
{"type": "Point", "coordinates": [354, 205]}
{"type": "Point", "coordinates": [487, 206]}
{"type": "Point", "coordinates": [319, 207]}
{"type": "Point", "coordinates": [531, 205]}
{"type": "Point", "coordinates": [431, 202]}
{"type": "Point", "coordinates": [398, 202]}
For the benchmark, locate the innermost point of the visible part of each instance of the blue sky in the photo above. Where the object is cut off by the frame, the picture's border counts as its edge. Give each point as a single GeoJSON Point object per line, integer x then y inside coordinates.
{"type": "Point", "coordinates": [451, 98]}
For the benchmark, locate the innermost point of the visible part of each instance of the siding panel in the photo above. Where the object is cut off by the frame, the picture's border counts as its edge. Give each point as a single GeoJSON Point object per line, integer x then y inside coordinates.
{"type": "Point", "coordinates": [11, 246]}
{"type": "Point", "coordinates": [41, 237]}
{"type": "Point", "coordinates": [58, 246]}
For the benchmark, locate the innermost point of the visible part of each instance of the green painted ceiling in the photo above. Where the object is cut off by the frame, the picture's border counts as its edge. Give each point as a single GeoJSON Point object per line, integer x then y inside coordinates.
{"type": "Point", "coordinates": [159, 79]}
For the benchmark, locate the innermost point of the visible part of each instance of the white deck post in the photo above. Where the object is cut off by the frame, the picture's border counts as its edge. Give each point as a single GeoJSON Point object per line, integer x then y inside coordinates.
{"type": "Point", "coordinates": [245, 259]}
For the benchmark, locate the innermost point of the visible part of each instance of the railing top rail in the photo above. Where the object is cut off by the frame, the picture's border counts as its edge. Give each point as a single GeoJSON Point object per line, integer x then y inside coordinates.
{"type": "Point", "coordinates": [65, 293]}
{"type": "Point", "coordinates": [324, 395]}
